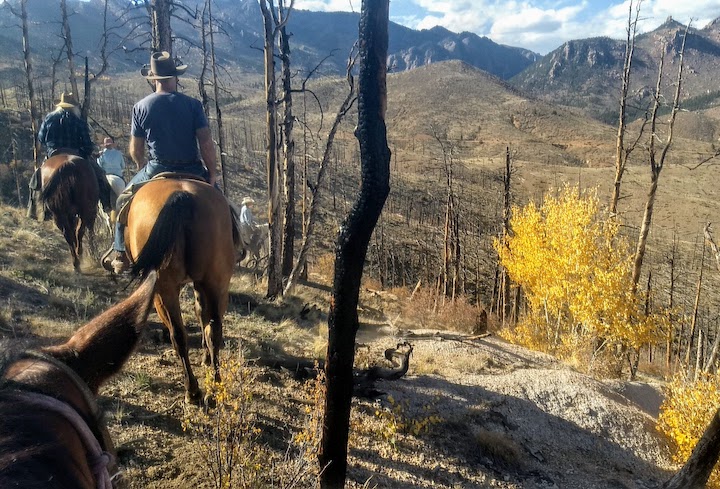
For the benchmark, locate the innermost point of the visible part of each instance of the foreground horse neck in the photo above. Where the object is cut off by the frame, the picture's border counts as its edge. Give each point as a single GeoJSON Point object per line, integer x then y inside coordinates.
{"type": "Point", "coordinates": [99, 349]}
{"type": "Point", "coordinates": [42, 442]}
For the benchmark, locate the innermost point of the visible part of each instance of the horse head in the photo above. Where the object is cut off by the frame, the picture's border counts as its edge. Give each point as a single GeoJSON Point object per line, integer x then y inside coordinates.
{"type": "Point", "coordinates": [50, 426]}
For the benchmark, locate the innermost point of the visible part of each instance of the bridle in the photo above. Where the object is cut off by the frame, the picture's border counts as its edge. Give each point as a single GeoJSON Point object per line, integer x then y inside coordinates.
{"type": "Point", "coordinates": [97, 457]}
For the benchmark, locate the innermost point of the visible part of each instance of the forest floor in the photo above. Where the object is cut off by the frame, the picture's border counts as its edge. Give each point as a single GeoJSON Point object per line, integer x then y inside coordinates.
{"type": "Point", "coordinates": [470, 413]}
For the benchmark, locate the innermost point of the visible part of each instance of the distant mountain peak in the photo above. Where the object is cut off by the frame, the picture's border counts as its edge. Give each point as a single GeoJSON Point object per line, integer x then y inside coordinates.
{"type": "Point", "coordinates": [669, 24]}
{"type": "Point", "coordinates": [713, 25]}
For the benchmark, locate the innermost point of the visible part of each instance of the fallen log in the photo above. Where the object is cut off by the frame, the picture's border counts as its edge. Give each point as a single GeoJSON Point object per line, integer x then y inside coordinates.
{"type": "Point", "coordinates": [364, 380]}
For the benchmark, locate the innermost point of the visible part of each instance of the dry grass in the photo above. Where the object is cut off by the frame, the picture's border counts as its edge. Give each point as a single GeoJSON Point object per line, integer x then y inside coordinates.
{"type": "Point", "coordinates": [430, 310]}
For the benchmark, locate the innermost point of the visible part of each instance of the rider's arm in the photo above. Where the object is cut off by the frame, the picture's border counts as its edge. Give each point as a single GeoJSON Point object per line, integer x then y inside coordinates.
{"type": "Point", "coordinates": [207, 152]}
{"type": "Point", "coordinates": [136, 149]}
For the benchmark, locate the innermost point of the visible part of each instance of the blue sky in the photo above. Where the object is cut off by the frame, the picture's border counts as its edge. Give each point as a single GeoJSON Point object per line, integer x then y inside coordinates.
{"type": "Point", "coordinates": [539, 25]}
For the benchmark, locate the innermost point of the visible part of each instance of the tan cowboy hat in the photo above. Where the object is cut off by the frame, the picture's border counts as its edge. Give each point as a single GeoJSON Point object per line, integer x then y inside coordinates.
{"type": "Point", "coordinates": [162, 67]}
{"type": "Point", "coordinates": [67, 100]}
{"type": "Point", "coordinates": [108, 143]}
{"type": "Point", "coordinates": [247, 200]}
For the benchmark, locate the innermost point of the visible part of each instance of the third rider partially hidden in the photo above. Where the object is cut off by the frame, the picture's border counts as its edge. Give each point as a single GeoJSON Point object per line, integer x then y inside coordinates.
{"type": "Point", "coordinates": [176, 131]}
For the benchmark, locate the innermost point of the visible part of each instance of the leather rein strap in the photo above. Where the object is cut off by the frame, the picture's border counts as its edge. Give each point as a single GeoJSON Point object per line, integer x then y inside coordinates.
{"type": "Point", "coordinates": [98, 459]}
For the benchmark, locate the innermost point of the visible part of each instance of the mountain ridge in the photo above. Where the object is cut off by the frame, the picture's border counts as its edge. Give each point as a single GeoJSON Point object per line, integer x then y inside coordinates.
{"type": "Point", "coordinates": [582, 73]}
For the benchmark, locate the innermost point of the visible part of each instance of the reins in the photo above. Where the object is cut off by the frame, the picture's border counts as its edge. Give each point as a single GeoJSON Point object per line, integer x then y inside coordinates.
{"type": "Point", "coordinates": [97, 458]}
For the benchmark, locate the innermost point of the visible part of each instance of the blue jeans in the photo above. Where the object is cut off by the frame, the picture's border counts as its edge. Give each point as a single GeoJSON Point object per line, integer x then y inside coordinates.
{"type": "Point", "coordinates": [148, 171]}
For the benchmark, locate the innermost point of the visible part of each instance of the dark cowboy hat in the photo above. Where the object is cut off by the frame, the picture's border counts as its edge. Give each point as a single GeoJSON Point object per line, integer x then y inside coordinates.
{"type": "Point", "coordinates": [162, 67]}
{"type": "Point", "coordinates": [67, 100]}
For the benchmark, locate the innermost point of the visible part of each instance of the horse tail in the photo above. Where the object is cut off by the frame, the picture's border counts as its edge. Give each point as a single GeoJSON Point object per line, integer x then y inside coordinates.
{"type": "Point", "coordinates": [237, 240]}
{"type": "Point", "coordinates": [168, 235]}
{"type": "Point", "coordinates": [58, 191]}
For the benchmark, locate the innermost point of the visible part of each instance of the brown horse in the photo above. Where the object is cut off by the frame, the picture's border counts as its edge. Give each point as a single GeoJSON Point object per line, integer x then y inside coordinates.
{"type": "Point", "coordinates": [51, 432]}
{"type": "Point", "coordinates": [183, 229]}
{"type": "Point", "coordinates": [70, 192]}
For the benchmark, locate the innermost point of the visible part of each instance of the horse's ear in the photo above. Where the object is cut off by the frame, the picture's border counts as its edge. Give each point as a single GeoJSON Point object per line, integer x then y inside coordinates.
{"type": "Point", "coordinates": [100, 348]}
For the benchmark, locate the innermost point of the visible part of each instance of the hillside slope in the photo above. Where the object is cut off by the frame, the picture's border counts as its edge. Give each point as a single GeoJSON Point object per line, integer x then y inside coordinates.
{"type": "Point", "coordinates": [506, 417]}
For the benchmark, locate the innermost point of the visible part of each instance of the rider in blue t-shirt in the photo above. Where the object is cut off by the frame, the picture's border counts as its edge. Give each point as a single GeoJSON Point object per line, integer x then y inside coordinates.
{"type": "Point", "coordinates": [176, 132]}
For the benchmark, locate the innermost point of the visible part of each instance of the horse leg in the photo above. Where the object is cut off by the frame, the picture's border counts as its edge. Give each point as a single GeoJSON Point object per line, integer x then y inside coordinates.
{"type": "Point", "coordinates": [201, 314]}
{"type": "Point", "coordinates": [67, 228]}
{"type": "Point", "coordinates": [87, 224]}
{"type": "Point", "coordinates": [79, 235]}
{"type": "Point", "coordinates": [167, 305]}
{"type": "Point", "coordinates": [212, 304]}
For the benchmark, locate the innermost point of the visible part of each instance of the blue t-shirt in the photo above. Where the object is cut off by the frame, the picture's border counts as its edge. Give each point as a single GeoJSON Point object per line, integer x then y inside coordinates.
{"type": "Point", "coordinates": [168, 122]}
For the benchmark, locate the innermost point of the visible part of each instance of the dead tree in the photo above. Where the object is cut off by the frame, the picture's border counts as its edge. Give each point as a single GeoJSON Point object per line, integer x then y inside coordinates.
{"type": "Point", "coordinates": [273, 171]}
{"type": "Point", "coordinates": [27, 60]}
{"type": "Point", "coordinates": [202, 79]}
{"type": "Point", "coordinates": [671, 304]}
{"type": "Point", "coordinates": [67, 38]}
{"type": "Point", "coordinates": [696, 307]}
{"type": "Point", "coordinates": [621, 151]}
{"type": "Point", "coordinates": [216, 92]}
{"type": "Point", "coordinates": [657, 161]}
{"type": "Point", "coordinates": [288, 141]}
{"type": "Point", "coordinates": [354, 238]}
{"type": "Point", "coordinates": [450, 235]}
{"type": "Point", "coordinates": [104, 63]}
{"type": "Point", "coordinates": [309, 231]}
{"type": "Point", "coordinates": [161, 13]}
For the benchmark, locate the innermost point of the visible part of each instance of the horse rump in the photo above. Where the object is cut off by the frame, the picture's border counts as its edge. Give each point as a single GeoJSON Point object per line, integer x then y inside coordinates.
{"type": "Point", "coordinates": [167, 235]}
{"type": "Point", "coordinates": [58, 191]}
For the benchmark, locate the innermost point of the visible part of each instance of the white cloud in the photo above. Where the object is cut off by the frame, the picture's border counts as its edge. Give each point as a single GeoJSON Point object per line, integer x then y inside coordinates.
{"type": "Point", "coordinates": [539, 25]}
{"type": "Point", "coordinates": [329, 5]}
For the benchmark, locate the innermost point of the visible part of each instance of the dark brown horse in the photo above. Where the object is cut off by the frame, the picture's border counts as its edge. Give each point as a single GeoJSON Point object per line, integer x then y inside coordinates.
{"type": "Point", "coordinates": [51, 432]}
{"type": "Point", "coordinates": [184, 229]}
{"type": "Point", "coordinates": [70, 192]}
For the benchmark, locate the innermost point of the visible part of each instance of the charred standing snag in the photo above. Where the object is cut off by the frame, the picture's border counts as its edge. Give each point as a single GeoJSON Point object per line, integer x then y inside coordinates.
{"type": "Point", "coordinates": [354, 238]}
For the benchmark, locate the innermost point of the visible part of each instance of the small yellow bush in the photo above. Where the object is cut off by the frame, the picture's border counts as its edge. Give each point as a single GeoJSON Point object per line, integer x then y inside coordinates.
{"type": "Point", "coordinates": [225, 436]}
{"type": "Point", "coordinates": [686, 413]}
{"type": "Point", "coordinates": [398, 420]}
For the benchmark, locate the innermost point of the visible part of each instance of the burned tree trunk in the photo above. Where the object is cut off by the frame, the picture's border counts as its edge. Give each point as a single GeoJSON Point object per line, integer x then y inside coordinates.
{"type": "Point", "coordinates": [216, 93]}
{"type": "Point", "coordinates": [354, 239]}
{"type": "Point", "coordinates": [69, 47]}
{"type": "Point", "coordinates": [273, 172]}
{"type": "Point", "coordinates": [621, 152]}
{"type": "Point", "coordinates": [308, 232]}
{"type": "Point", "coordinates": [161, 30]}
{"type": "Point", "coordinates": [288, 147]}
{"type": "Point", "coordinates": [34, 112]}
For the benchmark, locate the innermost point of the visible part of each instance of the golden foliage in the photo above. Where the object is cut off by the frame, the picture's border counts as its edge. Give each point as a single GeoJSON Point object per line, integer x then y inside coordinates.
{"type": "Point", "coordinates": [575, 271]}
{"type": "Point", "coordinates": [685, 414]}
{"type": "Point", "coordinates": [398, 420]}
{"type": "Point", "coordinates": [225, 435]}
